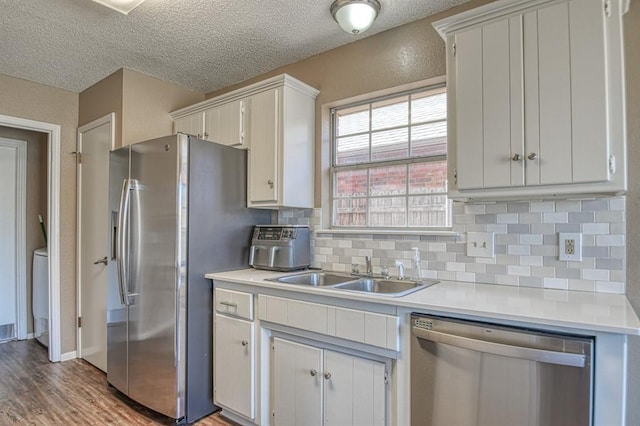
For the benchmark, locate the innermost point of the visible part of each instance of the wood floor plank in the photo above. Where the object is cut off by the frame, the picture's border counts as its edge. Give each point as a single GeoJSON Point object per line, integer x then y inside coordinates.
{"type": "Point", "coordinates": [34, 391]}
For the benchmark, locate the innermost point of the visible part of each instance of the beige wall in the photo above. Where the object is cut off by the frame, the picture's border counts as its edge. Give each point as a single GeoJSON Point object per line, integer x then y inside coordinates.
{"type": "Point", "coordinates": [37, 168]}
{"type": "Point", "coordinates": [147, 103]}
{"type": "Point", "coordinates": [415, 52]}
{"type": "Point", "coordinates": [101, 99]}
{"type": "Point", "coordinates": [141, 103]}
{"type": "Point", "coordinates": [632, 56]}
{"type": "Point", "coordinates": [24, 99]}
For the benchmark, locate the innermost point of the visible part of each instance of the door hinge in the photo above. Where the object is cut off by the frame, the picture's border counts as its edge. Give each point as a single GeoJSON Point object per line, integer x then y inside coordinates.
{"type": "Point", "coordinates": [455, 176]}
{"type": "Point", "coordinates": [273, 414]}
{"type": "Point", "coordinates": [607, 8]}
{"type": "Point", "coordinates": [78, 155]}
{"type": "Point", "coordinates": [612, 164]}
{"type": "Point", "coordinates": [79, 322]}
{"type": "Point", "coordinates": [386, 377]}
{"type": "Point", "coordinates": [454, 49]}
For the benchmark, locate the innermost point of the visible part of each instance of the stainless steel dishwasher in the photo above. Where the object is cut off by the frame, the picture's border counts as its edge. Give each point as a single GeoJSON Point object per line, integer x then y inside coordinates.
{"type": "Point", "coordinates": [466, 373]}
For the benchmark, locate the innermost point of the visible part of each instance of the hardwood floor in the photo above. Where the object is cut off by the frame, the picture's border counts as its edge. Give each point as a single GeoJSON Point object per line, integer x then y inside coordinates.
{"type": "Point", "coordinates": [34, 391]}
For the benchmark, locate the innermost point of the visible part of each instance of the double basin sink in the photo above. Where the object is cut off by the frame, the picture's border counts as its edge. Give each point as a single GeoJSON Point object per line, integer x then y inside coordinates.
{"type": "Point", "coordinates": [381, 286]}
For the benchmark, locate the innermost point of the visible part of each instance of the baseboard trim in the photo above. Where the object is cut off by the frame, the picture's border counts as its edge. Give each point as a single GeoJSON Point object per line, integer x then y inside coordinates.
{"type": "Point", "coordinates": [69, 355]}
{"type": "Point", "coordinates": [29, 336]}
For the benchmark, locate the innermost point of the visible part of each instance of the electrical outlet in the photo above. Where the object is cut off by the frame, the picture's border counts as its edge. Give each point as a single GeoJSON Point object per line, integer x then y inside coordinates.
{"type": "Point", "coordinates": [480, 244]}
{"type": "Point", "coordinates": [570, 246]}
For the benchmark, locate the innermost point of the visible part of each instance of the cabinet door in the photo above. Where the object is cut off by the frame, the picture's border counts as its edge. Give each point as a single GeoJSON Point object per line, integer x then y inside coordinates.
{"type": "Point", "coordinates": [234, 376]}
{"type": "Point", "coordinates": [224, 124]}
{"type": "Point", "coordinates": [297, 384]}
{"type": "Point", "coordinates": [264, 151]}
{"type": "Point", "coordinates": [488, 102]}
{"type": "Point", "coordinates": [354, 390]}
{"type": "Point", "coordinates": [566, 101]}
{"type": "Point", "coordinates": [191, 125]}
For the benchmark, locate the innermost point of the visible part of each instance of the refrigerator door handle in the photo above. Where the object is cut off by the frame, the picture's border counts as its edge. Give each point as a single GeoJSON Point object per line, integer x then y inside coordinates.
{"type": "Point", "coordinates": [121, 246]}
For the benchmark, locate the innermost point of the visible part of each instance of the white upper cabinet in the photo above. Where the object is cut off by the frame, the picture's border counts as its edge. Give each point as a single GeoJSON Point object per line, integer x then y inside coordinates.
{"type": "Point", "coordinates": [536, 99]}
{"type": "Point", "coordinates": [281, 156]}
{"type": "Point", "coordinates": [275, 120]}
{"type": "Point", "coordinates": [224, 124]}
{"type": "Point", "coordinates": [192, 124]}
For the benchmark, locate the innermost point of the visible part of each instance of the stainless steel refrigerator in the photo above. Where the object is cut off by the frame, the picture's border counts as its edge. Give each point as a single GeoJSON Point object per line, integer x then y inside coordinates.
{"type": "Point", "coordinates": [177, 212]}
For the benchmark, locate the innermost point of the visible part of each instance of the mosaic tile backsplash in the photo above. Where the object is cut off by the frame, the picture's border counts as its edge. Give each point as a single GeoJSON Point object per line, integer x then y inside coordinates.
{"type": "Point", "coordinates": [526, 245]}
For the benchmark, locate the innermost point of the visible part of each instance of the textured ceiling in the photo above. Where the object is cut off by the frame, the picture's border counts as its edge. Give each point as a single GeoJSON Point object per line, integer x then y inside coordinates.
{"type": "Point", "coordinates": [200, 44]}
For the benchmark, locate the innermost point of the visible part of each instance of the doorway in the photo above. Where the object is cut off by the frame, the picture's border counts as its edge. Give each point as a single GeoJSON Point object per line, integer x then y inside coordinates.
{"type": "Point", "coordinates": [13, 285]}
{"type": "Point", "coordinates": [52, 132]}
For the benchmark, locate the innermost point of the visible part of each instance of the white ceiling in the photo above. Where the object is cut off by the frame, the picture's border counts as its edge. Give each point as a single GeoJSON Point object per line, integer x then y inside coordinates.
{"type": "Point", "coordinates": [200, 44]}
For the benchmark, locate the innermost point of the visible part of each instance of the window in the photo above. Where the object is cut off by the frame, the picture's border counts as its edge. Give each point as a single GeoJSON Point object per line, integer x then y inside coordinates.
{"type": "Point", "coordinates": [389, 162]}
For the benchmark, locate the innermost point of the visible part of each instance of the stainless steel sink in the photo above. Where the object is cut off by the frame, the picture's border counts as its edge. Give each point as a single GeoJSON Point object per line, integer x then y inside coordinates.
{"type": "Point", "coordinates": [315, 279]}
{"type": "Point", "coordinates": [382, 286]}
{"type": "Point", "coordinates": [394, 288]}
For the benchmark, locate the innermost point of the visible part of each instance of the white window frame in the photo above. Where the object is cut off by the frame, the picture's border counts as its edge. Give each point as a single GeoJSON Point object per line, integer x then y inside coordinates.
{"type": "Point", "coordinates": [437, 87]}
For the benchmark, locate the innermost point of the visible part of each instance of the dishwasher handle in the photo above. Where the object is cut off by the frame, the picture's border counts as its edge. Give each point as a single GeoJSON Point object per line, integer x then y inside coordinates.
{"type": "Point", "coordinates": [531, 354]}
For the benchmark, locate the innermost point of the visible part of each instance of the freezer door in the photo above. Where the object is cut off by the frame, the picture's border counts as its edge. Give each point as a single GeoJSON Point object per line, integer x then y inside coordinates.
{"type": "Point", "coordinates": [156, 292]}
{"type": "Point", "coordinates": [117, 315]}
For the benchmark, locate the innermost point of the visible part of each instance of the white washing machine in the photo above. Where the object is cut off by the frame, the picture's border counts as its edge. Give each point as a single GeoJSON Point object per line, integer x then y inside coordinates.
{"type": "Point", "coordinates": [40, 302]}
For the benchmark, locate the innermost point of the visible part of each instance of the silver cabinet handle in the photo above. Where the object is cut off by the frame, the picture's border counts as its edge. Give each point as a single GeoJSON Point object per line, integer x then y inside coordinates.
{"type": "Point", "coordinates": [531, 354]}
{"type": "Point", "coordinates": [103, 260]}
{"type": "Point", "coordinates": [532, 156]}
{"type": "Point", "coordinates": [270, 183]}
{"type": "Point", "coordinates": [313, 372]}
{"type": "Point", "coordinates": [229, 304]}
{"type": "Point", "coordinates": [244, 343]}
{"type": "Point", "coordinates": [516, 157]}
{"type": "Point", "coordinates": [327, 376]}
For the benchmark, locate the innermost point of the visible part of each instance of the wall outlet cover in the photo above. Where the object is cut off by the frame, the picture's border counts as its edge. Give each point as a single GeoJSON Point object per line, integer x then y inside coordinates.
{"type": "Point", "coordinates": [570, 246]}
{"type": "Point", "coordinates": [480, 244]}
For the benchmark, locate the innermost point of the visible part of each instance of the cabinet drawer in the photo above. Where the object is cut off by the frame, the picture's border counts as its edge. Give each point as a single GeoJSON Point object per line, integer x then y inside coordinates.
{"type": "Point", "coordinates": [234, 303]}
{"type": "Point", "coordinates": [350, 324]}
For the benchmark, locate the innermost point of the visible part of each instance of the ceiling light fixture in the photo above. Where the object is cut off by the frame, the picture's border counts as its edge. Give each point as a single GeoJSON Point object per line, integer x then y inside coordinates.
{"type": "Point", "coordinates": [122, 6]}
{"type": "Point", "coordinates": [355, 16]}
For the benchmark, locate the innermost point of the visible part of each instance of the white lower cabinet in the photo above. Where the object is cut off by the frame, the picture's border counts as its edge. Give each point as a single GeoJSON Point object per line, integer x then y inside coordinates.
{"type": "Point", "coordinates": [234, 368]}
{"type": "Point", "coordinates": [316, 386]}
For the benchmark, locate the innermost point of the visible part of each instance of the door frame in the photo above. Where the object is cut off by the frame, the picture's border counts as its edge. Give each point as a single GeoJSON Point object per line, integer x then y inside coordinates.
{"type": "Point", "coordinates": [21, 234]}
{"type": "Point", "coordinates": [107, 119]}
{"type": "Point", "coordinates": [53, 221]}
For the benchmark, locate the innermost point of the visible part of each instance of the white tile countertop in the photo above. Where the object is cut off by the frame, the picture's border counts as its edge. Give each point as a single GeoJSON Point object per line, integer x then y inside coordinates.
{"type": "Point", "coordinates": [585, 311]}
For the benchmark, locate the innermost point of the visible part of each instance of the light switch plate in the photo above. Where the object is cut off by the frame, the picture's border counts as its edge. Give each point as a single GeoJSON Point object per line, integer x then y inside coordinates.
{"type": "Point", "coordinates": [480, 244]}
{"type": "Point", "coordinates": [570, 246]}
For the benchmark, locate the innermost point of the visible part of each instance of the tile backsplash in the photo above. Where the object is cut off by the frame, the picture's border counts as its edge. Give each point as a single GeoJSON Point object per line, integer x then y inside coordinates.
{"type": "Point", "coordinates": [526, 245]}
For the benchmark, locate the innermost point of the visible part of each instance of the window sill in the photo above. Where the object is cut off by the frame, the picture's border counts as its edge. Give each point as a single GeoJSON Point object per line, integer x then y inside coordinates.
{"type": "Point", "coordinates": [441, 233]}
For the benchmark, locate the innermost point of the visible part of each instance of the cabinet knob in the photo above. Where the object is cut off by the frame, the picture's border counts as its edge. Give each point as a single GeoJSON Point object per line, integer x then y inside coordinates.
{"type": "Point", "coordinates": [313, 372]}
{"type": "Point", "coordinates": [244, 343]}
{"type": "Point", "coordinates": [270, 183]}
{"type": "Point", "coordinates": [199, 135]}
{"type": "Point", "coordinates": [516, 157]}
{"type": "Point", "coordinates": [327, 376]}
{"type": "Point", "coordinates": [532, 156]}
{"type": "Point", "coordinates": [206, 135]}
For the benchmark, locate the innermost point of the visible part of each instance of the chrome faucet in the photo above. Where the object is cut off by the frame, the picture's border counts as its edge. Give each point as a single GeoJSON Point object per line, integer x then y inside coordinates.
{"type": "Point", "coordinates": [367, 260]}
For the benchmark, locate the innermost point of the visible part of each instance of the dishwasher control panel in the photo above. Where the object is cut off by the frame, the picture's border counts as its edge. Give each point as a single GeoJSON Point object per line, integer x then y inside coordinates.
{"type": "Point", "coordinates": [423, 323]}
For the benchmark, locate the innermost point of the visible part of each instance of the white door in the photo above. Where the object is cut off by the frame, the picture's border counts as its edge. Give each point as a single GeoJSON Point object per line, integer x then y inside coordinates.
{"type": "Point", "coordinates": [297, 384]}
{"type": "Point", "coordinates": [95, 140]}
{"type": "Point", "coordinates": [354, 390]}
{"type": "Point", "coordinates": [12, 238]}
{"type": "Point", "coordinates": [234, 371]}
